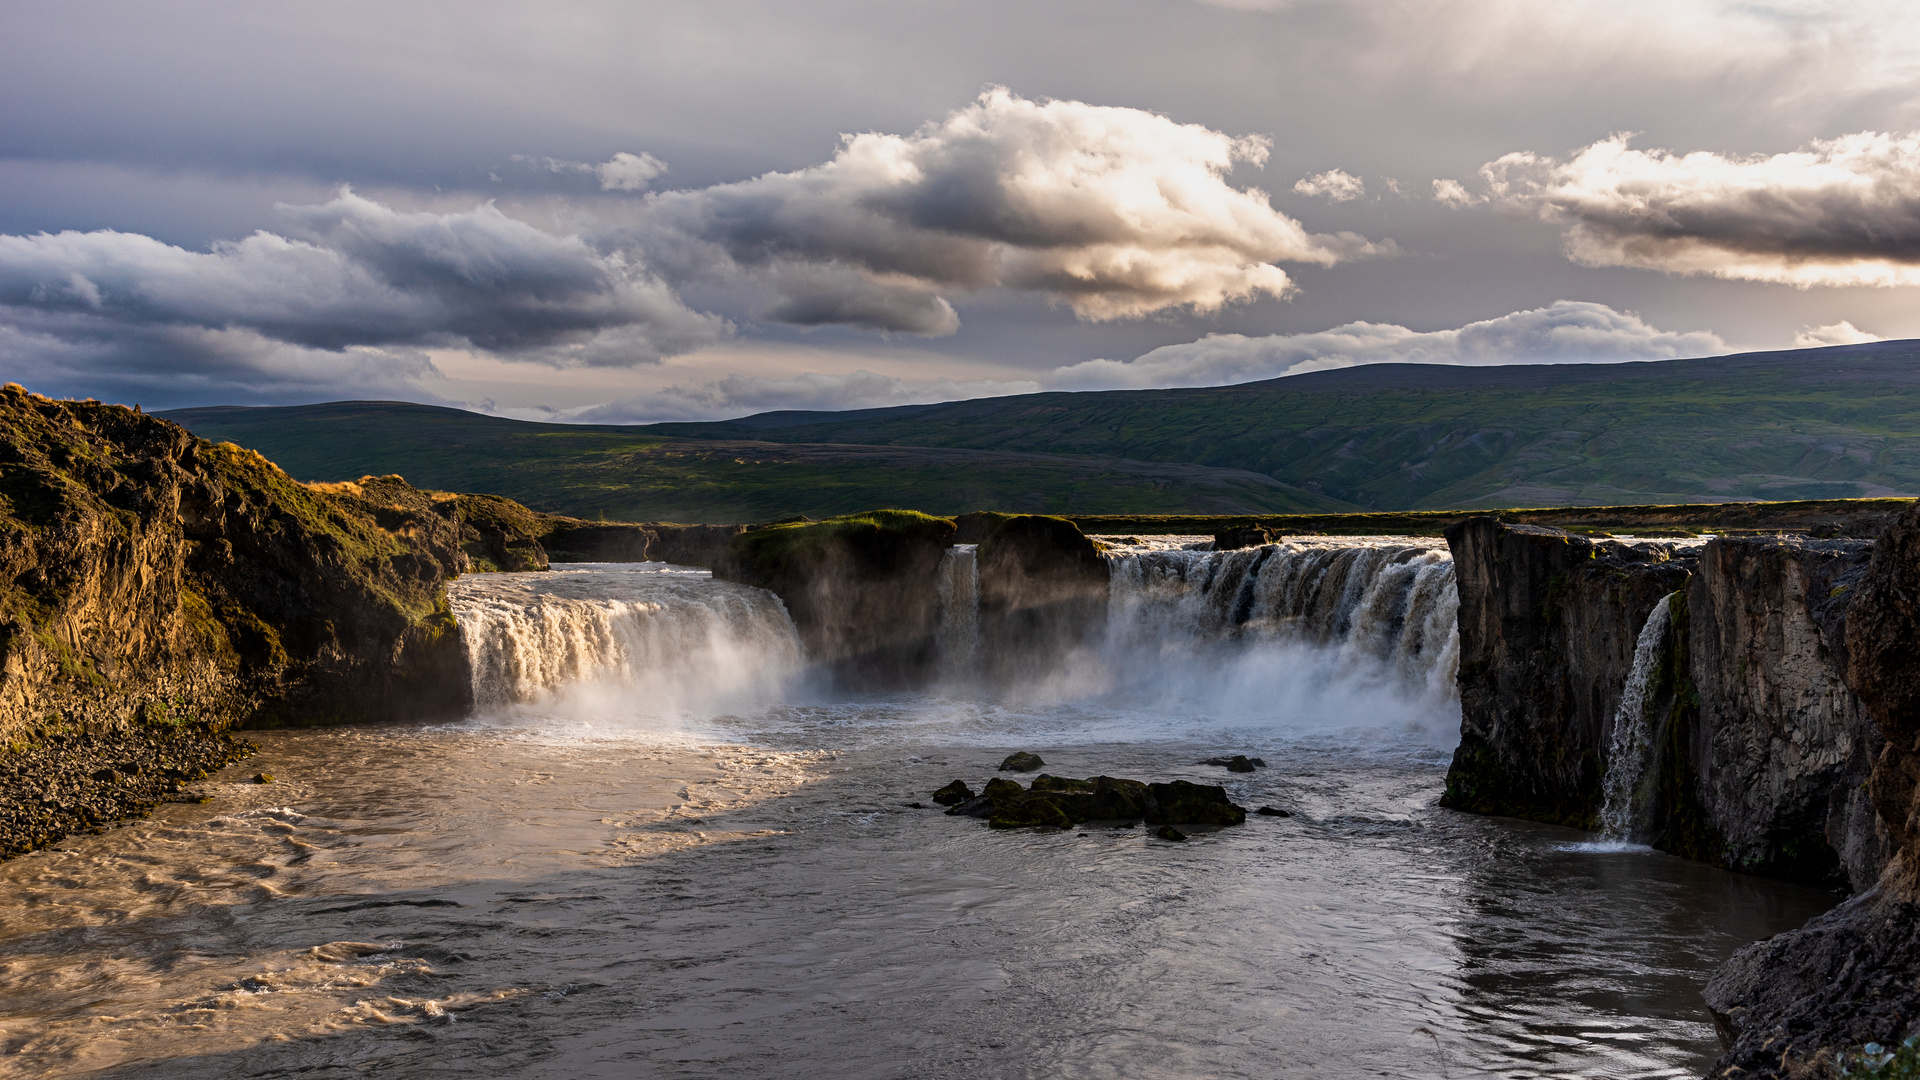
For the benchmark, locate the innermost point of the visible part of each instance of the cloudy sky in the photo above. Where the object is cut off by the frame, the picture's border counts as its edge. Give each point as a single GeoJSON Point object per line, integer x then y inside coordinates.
{"type": "Point", "coordinates": [637, 211]}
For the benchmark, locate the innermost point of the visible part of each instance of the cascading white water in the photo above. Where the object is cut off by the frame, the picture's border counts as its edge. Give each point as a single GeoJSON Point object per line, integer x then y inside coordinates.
{"type": "Point", "coordinates": [626, 639]}
{"type": "Point", "coordinates": [1360, 629]}
{"type": "Point", "coordinates": [959, 636]}
{"type": "Point", "coordinates": [1389, 601]}
{"type": "Point", "coordinates": [1631, 752]}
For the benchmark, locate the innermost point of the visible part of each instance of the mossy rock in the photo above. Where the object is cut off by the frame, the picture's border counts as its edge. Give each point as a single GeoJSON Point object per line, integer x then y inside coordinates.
{"type": "Point", "coordinates": [999, 789]}
{"type": "Point", "coordinates": [1030, 811]}
{"type": "Point", "coordinates": [1043, 782]}
{"type": "Point", "coordinates": [1184, 802]}
{"type": "Point", "coordinates": [1021, 762]}
{"type": "Point", "coordinates": [953, 794]}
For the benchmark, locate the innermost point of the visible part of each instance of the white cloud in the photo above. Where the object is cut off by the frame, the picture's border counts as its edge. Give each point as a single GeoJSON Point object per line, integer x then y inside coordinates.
{"type": "Point", "coordinates": [628, 172]}
{"type": "Point", "coordinates": [1116, 212]}
{"type": "Point", "coordinates": [1564, 332]}
{"type": "Point", "coordinates": [1840, 333]}
{"type": "Point", "coordinates": [744, 395]}
{"type": "Point", "coordinates": [1334, 185]}
{"type": "Point", "coordinates": [1455, 194]}
{"type": "Point", "coordinates": [1839, 212]}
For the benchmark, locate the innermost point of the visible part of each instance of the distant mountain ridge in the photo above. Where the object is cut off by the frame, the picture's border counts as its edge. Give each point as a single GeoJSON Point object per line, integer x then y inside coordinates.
{"type": "Point", "coordinates": [1817, 423]}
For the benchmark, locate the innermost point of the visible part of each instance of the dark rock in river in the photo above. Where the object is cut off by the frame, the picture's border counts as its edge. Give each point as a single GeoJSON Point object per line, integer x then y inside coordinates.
{"type": "Point", "coordinates": [1021, 762]}
{"type": "Point", "coordinates": [1115, 798]}
{"type": "Point", "coordinates": [1043, 591]}
{"type": "Point", "coordinates": [1185, 803]}
{"type": "Point", "coordinates": [1237, 763]}
{"type": "Point", "coordinates": [1273, 811]}
{"type": "Point", "coordinates": [1168, 832]}
{"type": "Point", "coordinates": [1242, 536]}
{"type": "Point", "coordinates": [1001, 788]}
{"type": "Point", "coordinates": [1032, 809]}
{"type": "Point", "coordinates": [861, 589]}
{"type": "Point", "coordinates": [956, 792]}
{"type": "Point", "coordinates": [1043, 782]}
{"type": "Point", "coordinates": [978, 806]}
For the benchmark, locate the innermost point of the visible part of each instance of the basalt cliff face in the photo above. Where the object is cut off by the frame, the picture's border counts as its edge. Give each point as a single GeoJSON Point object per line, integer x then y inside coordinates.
{"type": "Point", "coordinates": [1043, 592]}
{"type": "Point", "coordinates": [157, 590]}
{"type": "Point", "coordinates": [1759, 748]}
{"type": "Point", "coordinates": [1788, 1006]}
{"type": "Point", "coordinates": [861, 589]}
{"type": "Point", "coordinates": [1548, 623]}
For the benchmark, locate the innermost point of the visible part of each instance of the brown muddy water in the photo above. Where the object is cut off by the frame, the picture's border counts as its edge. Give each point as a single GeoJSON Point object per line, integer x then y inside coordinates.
{"type": "Point", "coordinates": [583, 885]}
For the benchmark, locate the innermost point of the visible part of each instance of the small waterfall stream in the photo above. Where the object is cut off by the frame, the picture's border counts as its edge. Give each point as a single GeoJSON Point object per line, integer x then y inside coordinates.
{"type": "Point", "coordinates": [1631, 752]}
{"type": "Point", "coordinates": [959, 585]}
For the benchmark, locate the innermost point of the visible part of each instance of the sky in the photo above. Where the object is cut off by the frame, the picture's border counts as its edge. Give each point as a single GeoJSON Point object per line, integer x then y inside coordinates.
{"type": "Point", "coordinates": [629, 212]}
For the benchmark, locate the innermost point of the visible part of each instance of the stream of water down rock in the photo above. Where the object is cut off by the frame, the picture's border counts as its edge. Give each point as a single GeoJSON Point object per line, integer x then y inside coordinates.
{"type": "Point", "coordinates": [663, 850]}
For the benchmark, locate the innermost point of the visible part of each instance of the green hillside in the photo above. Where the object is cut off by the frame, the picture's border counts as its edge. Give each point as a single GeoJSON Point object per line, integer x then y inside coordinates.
{"type": "Point", "coordinates": [1817, 423]}
{"type": "Point", "coordinates": [1812, 424]}
{"type": "Point", "coordinates": [631, 474]}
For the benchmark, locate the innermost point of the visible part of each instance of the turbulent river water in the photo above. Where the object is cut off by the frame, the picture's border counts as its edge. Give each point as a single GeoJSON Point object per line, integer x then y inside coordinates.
{"type": "Point", "coordinates": [663, 849]}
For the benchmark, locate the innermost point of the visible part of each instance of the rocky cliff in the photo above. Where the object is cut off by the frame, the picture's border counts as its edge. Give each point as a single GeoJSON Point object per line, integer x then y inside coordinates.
{"type": "Point", "coordinates": [1043, 592]}
{"type": "Point", "coordinates": [861, 589]}
{"type": "Point", "coordinates": [1548, 623]}
{"type": "Point", "coordinates": [1788, 1006]}
{"type": "Point", "coordinates": [157, 589]}
{"type": "Point", "coordinates": [1760, 749]}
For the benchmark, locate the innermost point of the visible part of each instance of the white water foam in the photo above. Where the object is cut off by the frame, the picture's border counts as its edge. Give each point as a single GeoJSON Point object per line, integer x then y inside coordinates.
{"type": "Point", "coordinates": [618, 643]}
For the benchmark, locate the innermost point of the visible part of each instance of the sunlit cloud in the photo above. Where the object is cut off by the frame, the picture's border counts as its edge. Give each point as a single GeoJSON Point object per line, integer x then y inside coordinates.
{"type": "Point", "coordinates": [1333, 185]}
{"type": "Point", "coordinates": [1839, 212]}
{"type": "Point", "coordinates": [1115, 212]}
{"type": "Point", "coordinates": [1840, 333]}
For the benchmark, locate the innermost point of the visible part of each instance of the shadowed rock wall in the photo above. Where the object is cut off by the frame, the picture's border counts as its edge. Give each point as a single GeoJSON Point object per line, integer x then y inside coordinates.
{"type": "Point", "coordinates": [1043, 592]}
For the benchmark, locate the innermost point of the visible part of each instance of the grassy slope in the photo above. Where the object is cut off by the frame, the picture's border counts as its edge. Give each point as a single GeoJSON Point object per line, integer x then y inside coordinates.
{"type": "Point", "coordinates": [628, 474]}
{"type": "Point", "coordinates": [1823, 423]}
{"type": "Point", "coordinates": [1828, 423]}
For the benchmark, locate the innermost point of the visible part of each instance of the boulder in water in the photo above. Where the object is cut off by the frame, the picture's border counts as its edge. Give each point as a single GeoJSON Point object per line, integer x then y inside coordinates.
{"type": "Point", "coordinates": [1237, 763]}
{"type": "Point", "coordinates": [1114, 798]}
{"type": "Point", "coordinates": [1242, 536]}
{"type": "Point", "coordinates": [1182, 802]}
{"type": "Point", "coordinates": [1000, 789]}
{"type": "Point", "coordinates": [978, 806]}
{"type": "Point", "coordinates": [1168, 832]}
{"type": "Point", "coordinates": [1021, 762]}
{"type": "Point", "coordinates": [1043, 782]}
{"type": "Point", "coordinates": [953, 794]}
{"type": "Point", "coordinates": [1273, 811]}
{"type": "Point", "coordinates": [1029, 810]}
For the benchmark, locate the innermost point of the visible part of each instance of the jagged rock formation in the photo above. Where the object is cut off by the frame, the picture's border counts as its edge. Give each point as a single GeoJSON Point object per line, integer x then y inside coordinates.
{"type": "Point", "coordinates": [1785, 1007]}
{"type": "Point", "coordinates": [860, 589]}
{"type": "Point", "coordinates": [1043, 591]}
{"type": "Point", "coordinates": [1760, 748]}
{"type": "Point", "coordinates": [1548, 623]}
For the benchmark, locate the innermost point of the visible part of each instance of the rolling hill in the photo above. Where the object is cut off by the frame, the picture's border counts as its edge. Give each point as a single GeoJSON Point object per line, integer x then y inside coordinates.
{"type": "Point", "coordinates": [1809, 424]}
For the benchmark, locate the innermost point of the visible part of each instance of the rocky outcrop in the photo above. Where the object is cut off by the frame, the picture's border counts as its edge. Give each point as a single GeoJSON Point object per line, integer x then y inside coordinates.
{"type": "Point", "coordinates": [1548, 623]}
{"type": "Point", "coordinates": [1760, 749]}
{"type": "Point", "coordinates": [1778, 747]}
{"type": "Point", "coordinates": [159, 589]}
{"type": "Point", "coordinates": [1059, 801]}
{"type": "Point", "coordinates": [1787, 1006]}
{"type": "Point", "coordinates": [861, 589]}
{"type": "Point", "coordinates": [1043, 592]}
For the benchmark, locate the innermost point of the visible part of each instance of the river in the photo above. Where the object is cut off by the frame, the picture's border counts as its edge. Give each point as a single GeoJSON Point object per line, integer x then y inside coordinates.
{"type": "Point", "coordinates": [663, 849]}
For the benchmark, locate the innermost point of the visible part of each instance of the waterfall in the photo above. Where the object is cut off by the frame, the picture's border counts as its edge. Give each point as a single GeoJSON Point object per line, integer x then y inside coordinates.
{"type": "Point", "coordinates": [959, 635]}
{"type": "Point", "coordinates": [1632, 749]}
{"type": "Point", "coordinates": [1383, 605]}
{"type": "Point", "coordinates": [642, 638]}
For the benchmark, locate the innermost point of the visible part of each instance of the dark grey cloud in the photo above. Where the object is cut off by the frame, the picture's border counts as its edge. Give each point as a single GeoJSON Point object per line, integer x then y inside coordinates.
{"type": "Point", "coordinates": [350, 273]}
{"type": "Point", "coordinates": [1844, 211]}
